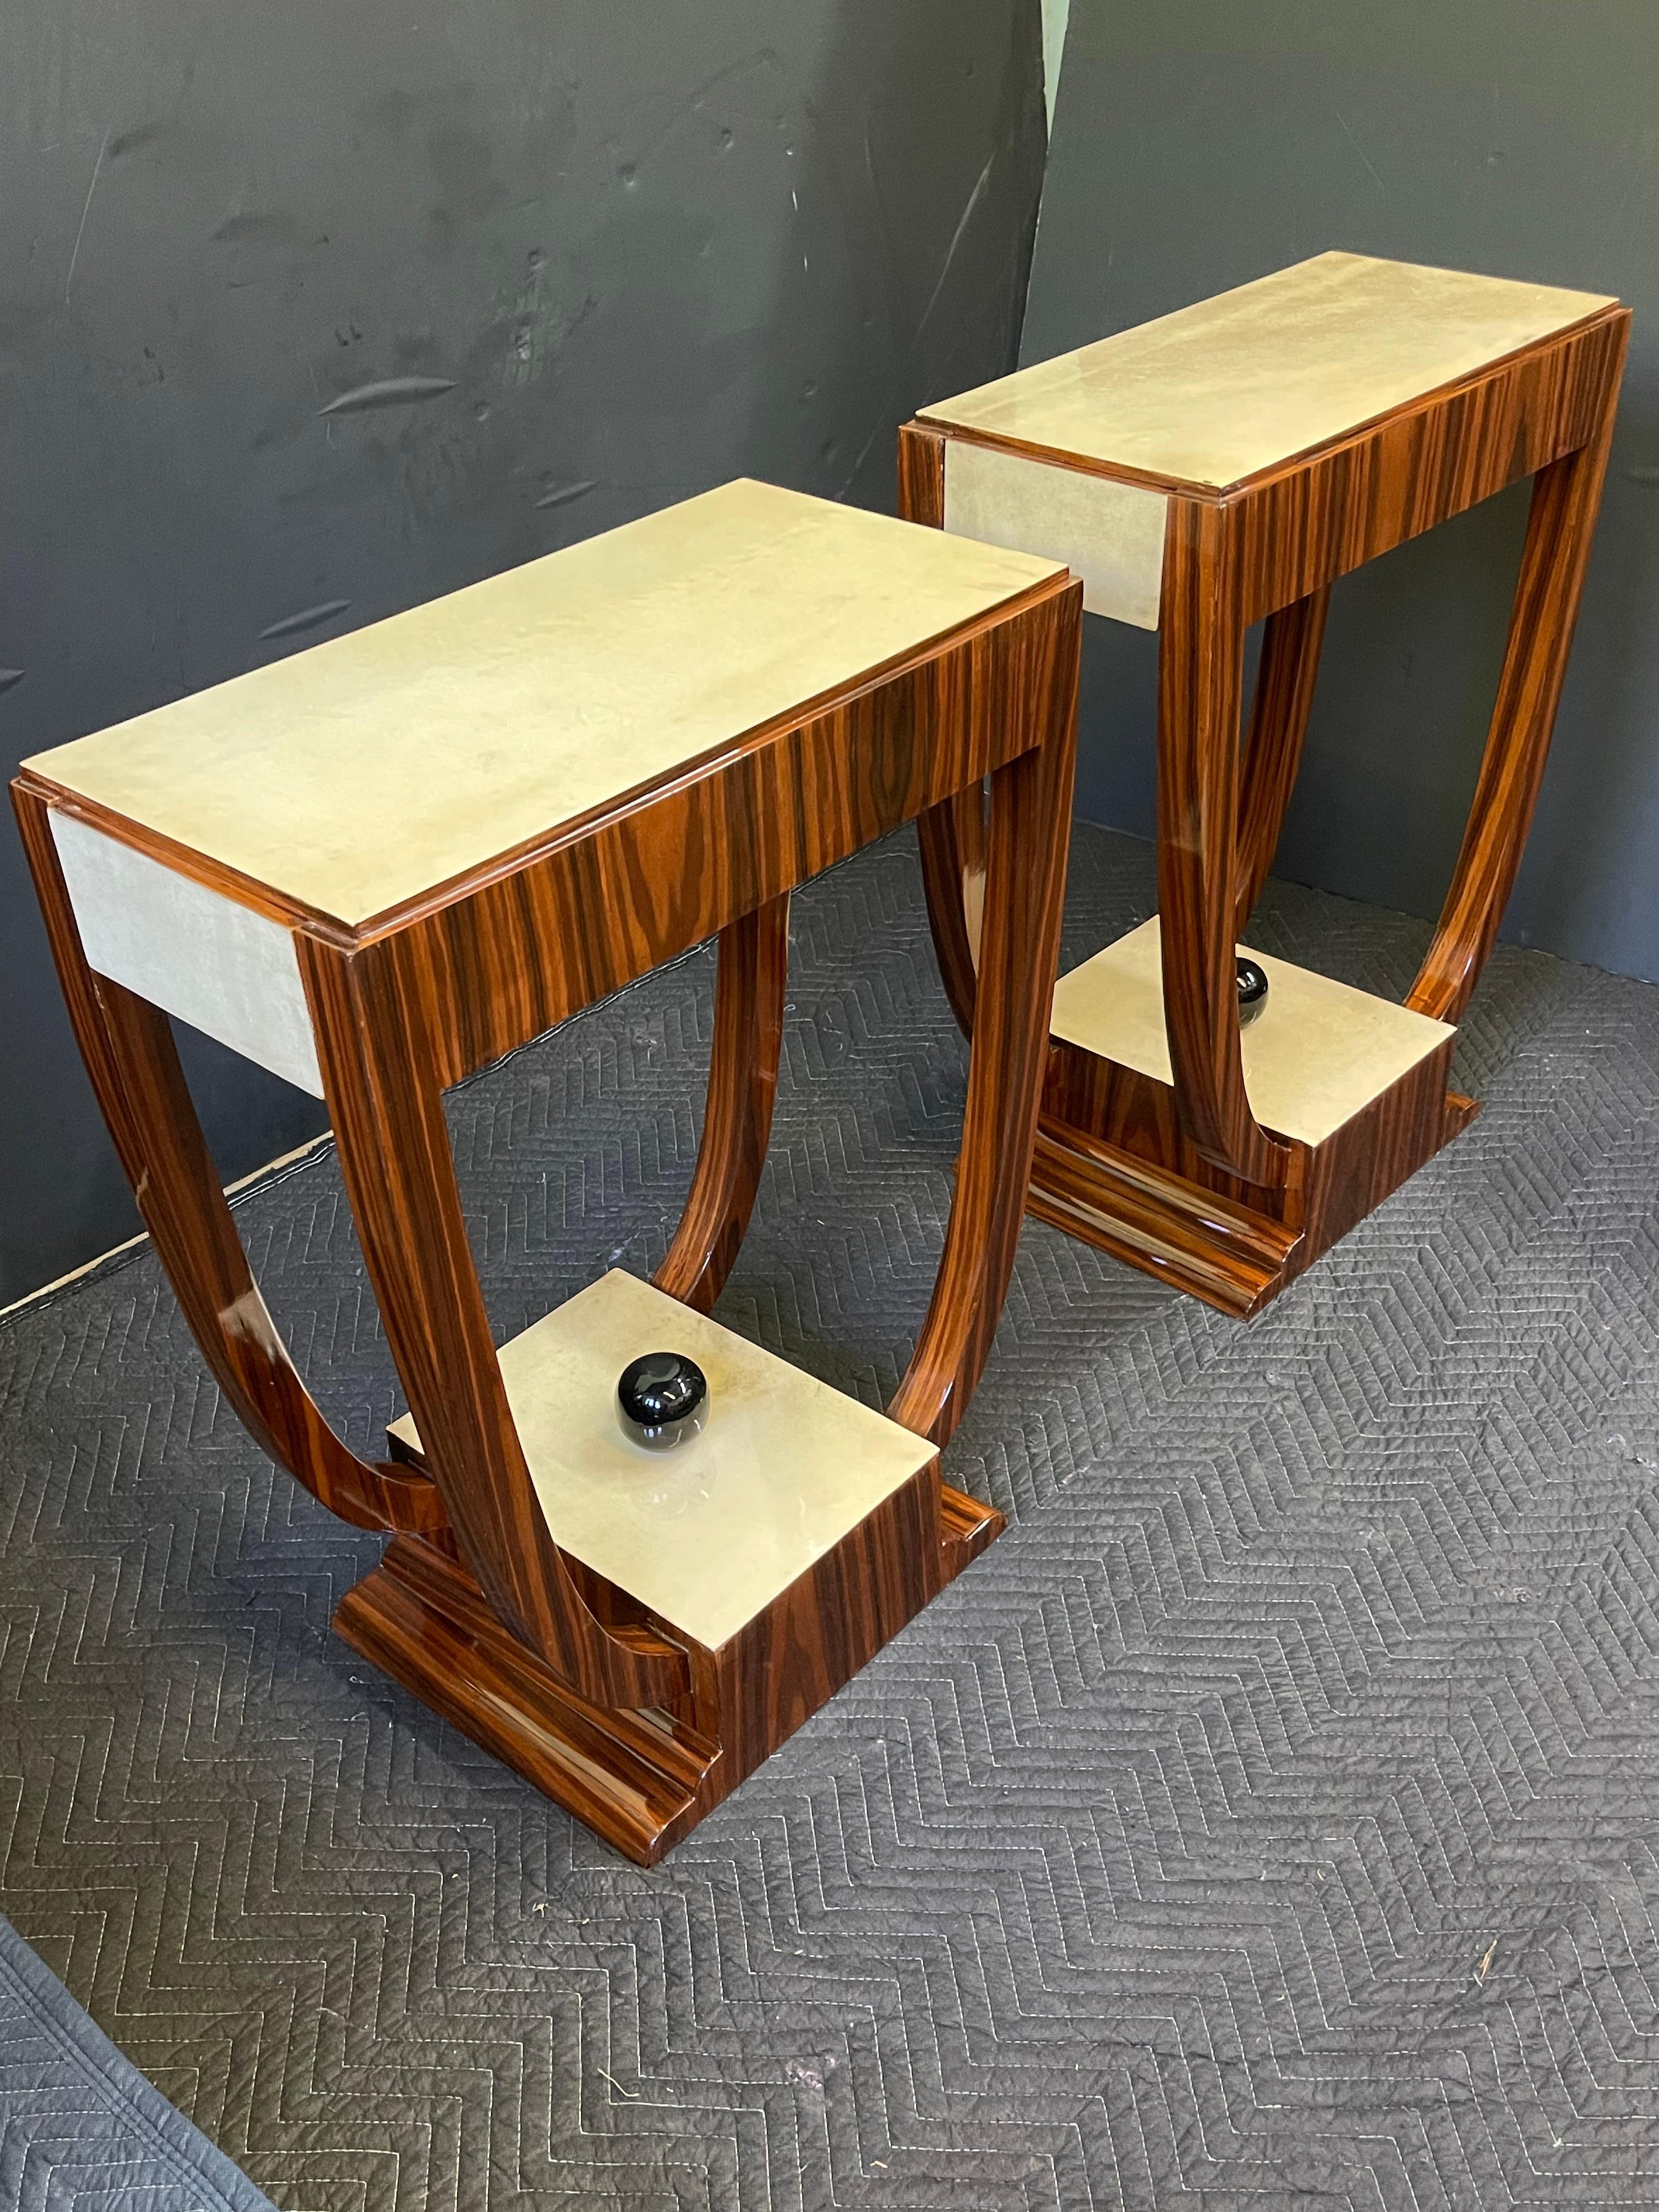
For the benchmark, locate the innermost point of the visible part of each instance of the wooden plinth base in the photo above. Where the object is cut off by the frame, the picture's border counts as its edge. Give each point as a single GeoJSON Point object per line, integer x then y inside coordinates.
{"type": "Point", "coordinates": [643, 1780]}
{"type": "Point", "coordinates": [1101, 1172]}
{"type": "Point", "coordinates": [1351, 1086]}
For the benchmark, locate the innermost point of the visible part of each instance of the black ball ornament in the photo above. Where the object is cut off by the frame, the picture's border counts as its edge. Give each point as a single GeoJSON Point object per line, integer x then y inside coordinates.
{"type": "Point", "coordinates": [1251, 990]}
{"type": "Point", "coordinates": [662, 1400]}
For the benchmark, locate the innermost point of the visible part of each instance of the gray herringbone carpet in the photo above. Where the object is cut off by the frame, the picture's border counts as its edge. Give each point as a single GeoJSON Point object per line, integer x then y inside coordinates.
{"type": "Point", "coordinates": [80, 2129]}
{"type": "Point", "coordinates": [1272, 1816]}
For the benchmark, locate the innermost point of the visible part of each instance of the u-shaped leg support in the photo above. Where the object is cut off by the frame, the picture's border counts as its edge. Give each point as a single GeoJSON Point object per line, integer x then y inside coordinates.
{"type": "Point", "coordinates": [128, 1047]}
{"type": "Point", "coordinates": [1560, 528]}
{"type": "Point", "coordinates": [954, 841]}
{"type": "Point", "coordinates": [953, 837]}
{"type": "Point", "coordinates": [1030, 816]}
{"type": "Point", "coordinates": [743, 1085]}
{"type": "Point", "coordinates": [1201, 663]}
{"type": "Point", "coordinates": [374, 1045]}
{"type": "Point", "coordinates": [374, 1079]}
{"type": "Point", "coordinates": [1279, 729]}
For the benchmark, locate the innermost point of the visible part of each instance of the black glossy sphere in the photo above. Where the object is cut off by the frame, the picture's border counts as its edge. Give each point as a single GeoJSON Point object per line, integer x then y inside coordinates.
{"type": "Point", "coordinates": [1251, 990]}
{"type": "Point", "coordinates": [662, 1399]}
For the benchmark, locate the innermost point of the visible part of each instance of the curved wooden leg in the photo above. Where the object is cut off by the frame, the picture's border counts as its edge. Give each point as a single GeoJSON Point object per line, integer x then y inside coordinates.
{"type": "Point", "coordinates": [130, 1054]}
{"type": "Point", "coordinates": [743, 1085]}
{"type": "Point", "coordinates": [1019, 950]}
{"type": "Point", "coordinates": [953, 838]}
{"type": "Point", "coordinates": [1279, 729]}
{"type": "Point", "coordinates": [1560, 526]}
{"type": "Point", "coordinates": [380, 1077]}
{"type": "Point", "coordinates": [1201, 665]}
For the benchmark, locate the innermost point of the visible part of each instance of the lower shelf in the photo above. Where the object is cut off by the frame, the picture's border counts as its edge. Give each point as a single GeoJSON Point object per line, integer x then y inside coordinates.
{"type": "Point", "coordinates": [780, 1550]}
{"type": "Point", "coordinates": [1319, 1052]}
{"type": "Point", "coordinates": [1353, 1086]}
{"type": "Point", "coordinates": [706, 1536]}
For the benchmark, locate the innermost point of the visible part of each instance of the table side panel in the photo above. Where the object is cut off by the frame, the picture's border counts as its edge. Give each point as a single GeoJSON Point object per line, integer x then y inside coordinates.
{"type": "Point", "coordinates": [1109, 533]}
{"type": "Point", "coordinates": [500, 963]}
{"type": "Point", "coordinates": [1326, 517]}
{"type": "Point", "coordinates": [187, 948]}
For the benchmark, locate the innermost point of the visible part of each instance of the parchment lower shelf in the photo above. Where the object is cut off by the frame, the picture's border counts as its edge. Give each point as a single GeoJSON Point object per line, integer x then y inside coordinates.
{"type": "Point", "coordinates": [707, 1536]}
{"type": "Point", "coordinates": [1318, 1053]}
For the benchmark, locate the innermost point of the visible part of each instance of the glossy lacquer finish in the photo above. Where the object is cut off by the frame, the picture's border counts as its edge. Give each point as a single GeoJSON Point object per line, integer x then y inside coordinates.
{"type": "Point", "coordinates": [563, 1671]}
{"type": "Point", "coordinates": [130, 1054]}
{"type": "Point", "coordinates": [1180, 1178]}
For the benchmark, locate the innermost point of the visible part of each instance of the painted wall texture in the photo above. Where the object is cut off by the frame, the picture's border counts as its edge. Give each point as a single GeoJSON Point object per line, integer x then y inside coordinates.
{"type": "Point", "coordinates": [310, 312]}
{"type": "Point", "coordinates": [1193, 149]}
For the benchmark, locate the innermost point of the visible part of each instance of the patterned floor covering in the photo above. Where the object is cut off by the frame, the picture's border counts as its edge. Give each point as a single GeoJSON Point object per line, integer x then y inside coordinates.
{"type": "Point", "coordinates": [80, 2129]}
{"type": "Point", "coordinates": [1272, 1817]}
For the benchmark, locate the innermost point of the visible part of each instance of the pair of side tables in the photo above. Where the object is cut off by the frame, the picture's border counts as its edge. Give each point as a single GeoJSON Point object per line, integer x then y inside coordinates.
{"type": "Point", "coordinates": [379, 864]}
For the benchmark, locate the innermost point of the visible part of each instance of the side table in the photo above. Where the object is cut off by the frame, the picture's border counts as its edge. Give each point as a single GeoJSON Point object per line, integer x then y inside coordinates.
{"type": "Point", "coordinates": [1223, 464]}
{"type": "Point", "coordinates": [379, 864]}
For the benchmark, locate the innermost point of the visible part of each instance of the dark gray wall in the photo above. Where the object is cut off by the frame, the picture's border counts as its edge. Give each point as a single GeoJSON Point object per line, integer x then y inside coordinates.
{"type": "Point", "coordinates": [622, 252]}
{"type": "Point", "coordinates": [1198, 147]}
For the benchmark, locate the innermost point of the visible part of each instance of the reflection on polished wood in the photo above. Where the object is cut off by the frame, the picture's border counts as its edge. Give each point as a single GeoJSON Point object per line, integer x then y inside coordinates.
{"type": "Point", "coordinates": [577, 773]}
{"type": "Point", "coordinates": [1293, 430]}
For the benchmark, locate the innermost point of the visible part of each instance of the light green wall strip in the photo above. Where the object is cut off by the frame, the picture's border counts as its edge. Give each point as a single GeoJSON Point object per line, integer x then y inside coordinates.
{"type": "Point", "coordinates": [1054, 13]}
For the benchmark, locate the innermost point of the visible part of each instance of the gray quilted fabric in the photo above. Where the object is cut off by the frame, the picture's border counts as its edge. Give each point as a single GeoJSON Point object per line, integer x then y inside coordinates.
{"type": "Point", "coordinates": [1270, 1818]}
{"type": "Point", "coordinates": [81, 2129]}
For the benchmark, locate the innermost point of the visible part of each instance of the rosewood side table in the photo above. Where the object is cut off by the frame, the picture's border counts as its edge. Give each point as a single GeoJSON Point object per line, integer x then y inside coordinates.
{"type": "Point", "coordinates": [1221, 464]}
{"type": "Point", "coordinates": [381, 864]}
